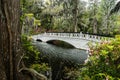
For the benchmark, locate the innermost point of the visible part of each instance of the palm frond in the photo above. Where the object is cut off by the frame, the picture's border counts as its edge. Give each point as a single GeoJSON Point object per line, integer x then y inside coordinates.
{"type": "Point", "coordinates": [116, 8]}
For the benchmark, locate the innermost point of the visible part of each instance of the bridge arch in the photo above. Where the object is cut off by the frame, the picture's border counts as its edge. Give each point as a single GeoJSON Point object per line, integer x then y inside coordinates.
{"type": "Point", "coordinates": [39, 40]}
{"type": "Point", "coordinates": [60, 43]}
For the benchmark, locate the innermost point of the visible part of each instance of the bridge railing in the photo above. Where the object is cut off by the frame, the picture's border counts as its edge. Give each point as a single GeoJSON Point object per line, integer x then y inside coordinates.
{"type": "Point", "coordinates": [79, 35]}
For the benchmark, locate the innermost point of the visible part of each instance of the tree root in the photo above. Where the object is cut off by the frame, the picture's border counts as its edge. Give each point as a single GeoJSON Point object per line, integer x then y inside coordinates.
{"type": "Point", "coordinates": [31, 74]}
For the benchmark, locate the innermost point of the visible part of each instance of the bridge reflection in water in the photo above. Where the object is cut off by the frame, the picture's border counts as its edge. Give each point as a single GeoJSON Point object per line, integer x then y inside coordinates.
{"type": "Point", "coordinates": [57, 55]}
{"type": "Point", "coordinates": [71, 55]}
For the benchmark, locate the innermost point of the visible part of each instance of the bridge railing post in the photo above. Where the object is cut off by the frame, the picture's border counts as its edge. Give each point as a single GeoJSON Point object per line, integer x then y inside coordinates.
{"type": "Point", "coordinates": [83, 36]}
{"type": "Point", "coordinates": [87, 36]}
{"type": "Point", "coordinates": [80, 35]}
{"type": "Point", "coordinates": [77, 35]}
{"type": "Point", "coordinates": [57, 34]}
{"type": "Point", "coordinates": [49, 34]}
{"type": "Point", "coordinates": [94, 38]}
{"type": "Point", "coordinates": [53, 34]}
{"type": "Point", "coordinates": [70, 35]}
{"type": "Point", "coordinates": [67, 35]}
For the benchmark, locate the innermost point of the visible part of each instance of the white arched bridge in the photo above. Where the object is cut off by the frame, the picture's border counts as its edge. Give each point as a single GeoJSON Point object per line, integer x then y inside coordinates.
{"type": "Point", "coordinates": [78, 40]}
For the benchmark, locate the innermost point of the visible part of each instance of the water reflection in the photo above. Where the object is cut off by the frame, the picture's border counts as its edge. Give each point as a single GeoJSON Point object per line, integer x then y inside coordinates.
{"type": "Point", "coordinates": [73, 55]}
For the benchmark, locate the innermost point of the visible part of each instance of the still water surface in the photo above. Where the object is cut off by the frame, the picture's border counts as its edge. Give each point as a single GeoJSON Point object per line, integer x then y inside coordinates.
{"type": "Point", "coordinates": [71, 55]}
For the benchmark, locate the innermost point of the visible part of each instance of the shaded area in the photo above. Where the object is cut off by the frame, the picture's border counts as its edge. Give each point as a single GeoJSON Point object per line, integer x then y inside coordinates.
{"type": "Point", "coordinates": [60, 43]}
{"type": "Point", "coordinates": [39, 40]}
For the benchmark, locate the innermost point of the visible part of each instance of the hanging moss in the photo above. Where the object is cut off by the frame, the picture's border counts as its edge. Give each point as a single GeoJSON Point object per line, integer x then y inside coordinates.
{"type": "Point", "coordinates": [30, 15]}
{"type": "Point", "coordinates": [37, 22]}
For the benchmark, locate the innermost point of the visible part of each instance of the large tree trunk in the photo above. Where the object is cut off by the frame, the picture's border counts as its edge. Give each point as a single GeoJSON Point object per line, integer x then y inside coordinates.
{"type": "Point", "coordinates": [10, 47]}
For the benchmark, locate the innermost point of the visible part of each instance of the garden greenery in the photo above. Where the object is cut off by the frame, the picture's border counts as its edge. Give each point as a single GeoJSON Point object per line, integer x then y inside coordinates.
{"type": "Point", "coordinates": [31, 57]}
{"type": "Point", "coordinates": [104, 62]}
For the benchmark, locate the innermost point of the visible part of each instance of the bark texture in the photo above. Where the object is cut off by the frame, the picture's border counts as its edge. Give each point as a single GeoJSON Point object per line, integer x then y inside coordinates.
{"type": "Point", "coordinates": [75, 14]}
{"type": "Point", "coordinates": [10, 46]}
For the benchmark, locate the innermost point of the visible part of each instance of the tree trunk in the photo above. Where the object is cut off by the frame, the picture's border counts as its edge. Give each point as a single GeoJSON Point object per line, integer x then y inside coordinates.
{"type": "Point", "coordinates": [75, 13]}
{"type": "Point", "coordinates": [95, 26]}
{"type": "Point", "coordinates": [95, 19]}
{"type": "Point", "coordinates": [10, 47]}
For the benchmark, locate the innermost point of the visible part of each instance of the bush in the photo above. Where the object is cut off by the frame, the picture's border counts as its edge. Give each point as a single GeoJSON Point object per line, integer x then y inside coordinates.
{"type": "Point", "coordinates": [104, 63]}
{"type": "Point", "coordinates": [31, 53]}
{"type": "Point", "coordinates": [31, 57]}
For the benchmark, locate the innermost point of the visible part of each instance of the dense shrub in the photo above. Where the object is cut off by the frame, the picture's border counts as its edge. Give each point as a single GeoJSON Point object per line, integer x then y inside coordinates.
{"type": "Point", "coordinates": [31, 53]}
{"type": "Point", "coordinates": [31, 57]}
{"type": "Point", "coordinates": [104, 62]}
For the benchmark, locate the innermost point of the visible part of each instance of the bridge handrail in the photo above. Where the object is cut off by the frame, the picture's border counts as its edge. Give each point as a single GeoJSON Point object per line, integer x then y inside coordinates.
{"type": "Point", "coordinates": [78, 35]}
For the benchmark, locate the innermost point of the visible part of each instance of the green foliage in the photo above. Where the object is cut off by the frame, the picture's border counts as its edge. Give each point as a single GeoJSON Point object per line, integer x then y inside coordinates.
{"type": "Point", "coordinates": [46, 21]}
{"type": "Point", "coordinates": [31, 53]}
{"type": "Point", "coordinates": [58, 15]}
{"type": "Point", "coordinates": [104, 62]}
{"type": "Point", "coordinates": [70, 73]}
{"type": "Point", "coordinates": [40, 67]}
{"type": "Point", "coordinates": [32, 57]}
